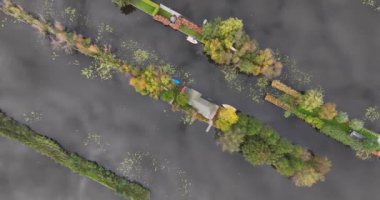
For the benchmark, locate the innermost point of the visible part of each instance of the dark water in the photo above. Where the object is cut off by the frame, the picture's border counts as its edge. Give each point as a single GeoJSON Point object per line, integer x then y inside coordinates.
{"type": "Point", "coordinates": [336, 41]}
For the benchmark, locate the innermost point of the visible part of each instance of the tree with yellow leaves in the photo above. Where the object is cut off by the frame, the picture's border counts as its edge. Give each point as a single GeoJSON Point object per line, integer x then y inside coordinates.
{"type": "Point", "coordinates": [151, 82]}
{"type": "Point", "coordinates": [225, 118]}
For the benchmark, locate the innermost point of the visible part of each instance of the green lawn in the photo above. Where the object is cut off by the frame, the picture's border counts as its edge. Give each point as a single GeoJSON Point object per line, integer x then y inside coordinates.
{"type": "Point", "coordinates": [146, 6]}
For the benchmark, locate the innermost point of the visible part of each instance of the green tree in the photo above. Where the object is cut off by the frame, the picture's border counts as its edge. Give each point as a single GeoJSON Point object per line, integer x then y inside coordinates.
{"type": "Point", "coordinates": [254, 126]}
{"type": "Point", "coordinates": [168, 95]}
{"type": "Point", "coordinates": [269, 135]}
{"type": "Point", "coordinates": [256, 152]}
{"type": "Point", "coordinates": [311, 100]}
{"type": "Point", "coordinates": [356, 124]}
{"type": "Point", "coordinates": [288, 167]}
{"type": "Point", "coordinates": [181, 100]}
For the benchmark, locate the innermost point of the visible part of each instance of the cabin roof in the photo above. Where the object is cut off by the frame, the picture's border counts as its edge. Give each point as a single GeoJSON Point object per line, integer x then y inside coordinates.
{"type": "Point", "coordinates": [356, 135]}
{"type": "Point", "coordinates": [204, 107]}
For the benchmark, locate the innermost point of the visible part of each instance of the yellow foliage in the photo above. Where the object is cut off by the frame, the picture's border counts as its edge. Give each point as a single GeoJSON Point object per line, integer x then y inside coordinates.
{"type": "Point", "coordinates": [93, 49]}
{"type": "Point", "coordinates": [226, 118]}
{"type": "Point", "coordinates": [328, 111]}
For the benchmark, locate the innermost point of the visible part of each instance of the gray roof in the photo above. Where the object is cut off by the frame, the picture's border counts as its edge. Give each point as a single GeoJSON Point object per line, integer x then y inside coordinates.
{"type": "Point", "coordinates": [204, 107]}
{"type": "Point", "coordinates": [356, 135]}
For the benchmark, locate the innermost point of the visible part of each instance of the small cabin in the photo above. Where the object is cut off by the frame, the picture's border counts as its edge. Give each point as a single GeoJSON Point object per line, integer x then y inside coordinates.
{"type": "Point", "coordinates": [207, 109]}
{"type": "Point", "coordinates": [356, 135]}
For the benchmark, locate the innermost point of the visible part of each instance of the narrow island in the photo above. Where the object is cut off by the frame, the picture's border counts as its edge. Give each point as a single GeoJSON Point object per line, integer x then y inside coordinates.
{"type": "Point", "coordinates": [11, 129]}
{"type": "Point", "coordinates": [227, 44]}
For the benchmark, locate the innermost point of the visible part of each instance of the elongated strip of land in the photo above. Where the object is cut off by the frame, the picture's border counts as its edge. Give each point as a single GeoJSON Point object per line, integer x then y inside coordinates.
{"type": "Point", "coordinates": [226, 43]}
{"type": "Point", "coordinates": [11, 129]}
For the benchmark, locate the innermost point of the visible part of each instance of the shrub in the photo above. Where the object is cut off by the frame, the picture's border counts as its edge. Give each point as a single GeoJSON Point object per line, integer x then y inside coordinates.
{"type": "Point", "coordinates": [225, 118]}
{"type": "Point", "coordinates": [120, 3]}
{"type": "Point", "coordinates": [328, 111]}
{"type": "Point", "coordinates": [168, 95]}
{"type": "Point", "coordinates": [181, 100]}
{"type": "Point", "coordinates": [342, 117]}
{"type": "Point", "coordinates": [246, 67]}
{"type": "Point", "coordinates": [311, 100]}
{"type": "Point", "coordinates": [356, 124]}
{"type": "Point", "coordinates": [314, 122]}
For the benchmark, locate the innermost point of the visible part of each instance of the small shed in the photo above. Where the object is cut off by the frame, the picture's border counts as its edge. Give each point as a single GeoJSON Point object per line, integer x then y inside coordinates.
{"type": "Point", "coordinates": [356, 135]}
{"type": "Point", "coordinates": [169, 10]}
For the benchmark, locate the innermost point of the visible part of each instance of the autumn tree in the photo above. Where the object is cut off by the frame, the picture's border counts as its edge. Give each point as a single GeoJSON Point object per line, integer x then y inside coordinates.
{"type": "Point", "coordinates": [226, 31]}
{"type": "Point", "coordinates": [266, 63]}
{"type": "Point", "coordinates": [151, 81]}
{"type": "Point", "coordinates": [307, 177]}
{"type": "Point", "coordinates": [225, 118]}
{"type": "Point", "coordinates": [328, 111]}
{"type": "Point", "coordinates": [217, 53]}
{"type": "Point", "coordinates": [231, 140]}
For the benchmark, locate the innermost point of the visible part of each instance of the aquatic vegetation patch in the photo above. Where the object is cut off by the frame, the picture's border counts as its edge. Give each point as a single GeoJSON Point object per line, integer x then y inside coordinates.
{"type": "Point", "coordinates": [372, 3]}
{"type": "Point", "coordinates": [136, 165]}
{"type": "Point", "coordinates": [32, 117]}
{"type": "Point", "coordinates": [94, 139]}
{"type": "Point", "coordinates": [70, 13]}
{"type": "Point", "coordinates": [101, 30]}
{"type": "Point", "coordinates": [372, 113]}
